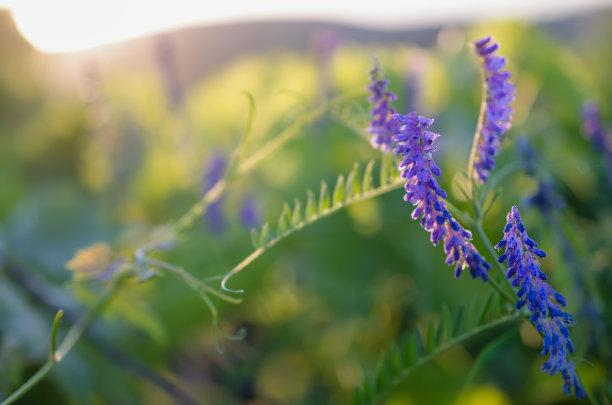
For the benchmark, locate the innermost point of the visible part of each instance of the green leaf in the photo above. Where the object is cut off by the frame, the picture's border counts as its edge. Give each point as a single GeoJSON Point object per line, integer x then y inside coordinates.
{"type": "Point", "coordinates": [480, 317]}
{"type": "Point", "coordinates": [360, 398]}
{"type": "Point", "coordinates": [396, 360]}
{"type": "Point", "coordinates": [296, 218]}
{"type": "Point", "coordinates": [255, 238]}
{"type": "Point", "coordinates": [264, 237]}
{"type": "Point", "coordinates": [338, 196]}
{"type": "Point", "coordinates": [324, 200]}
{"type": "Point", "coordinates": [409, 350]}
{"type": "Point", "coordinates": [381, 376]}
{"type": "Point", "coordinates": [471, 312]}
{"type": "Point", "coordinates": [419, 348]}
{"type": "Point", "coordinates": [368, 181]}
{"type": "Point", "coordinates": [439, 334]}
{"type": "Point", "coordinates": [352, 183]}
{"type": "Point", "coordinates": [457, 320]}
{"type": "Point", "coordinates": [446, 322]}
{"type": "Point", "coordinates": [311, 207]}
{"type": "Point", "coordinates": [385, 168]}
{"type": "Point", "coordinates": [403, 359]}
{"type": "Point", "coordinates": [281, 228]}
{"type": "Point", "coordinates": [431, 336]}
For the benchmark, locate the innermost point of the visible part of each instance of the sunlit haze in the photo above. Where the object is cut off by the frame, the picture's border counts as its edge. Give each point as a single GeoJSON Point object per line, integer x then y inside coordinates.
{"type": "Point", "coordinates": [73, 25]}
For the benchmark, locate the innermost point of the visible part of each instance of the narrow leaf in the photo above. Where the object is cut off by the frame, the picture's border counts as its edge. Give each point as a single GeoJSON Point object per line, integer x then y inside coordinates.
{"type": "Point", "coordinates": [440, 333]}
{"type": "Point", "coordinates": [385, 168]}
{"type": "Point", "coordinates": [264, 237]}
{"type": "Point", "coordinates": [352, 183]}
{"type": "Point", "coordinates": [471, 312]}
{"type": "Point", "coordinates": [287, 212]}
{"type": "Point", "coordinates": [431, 336]}
{"type": "Point", "coordinates": [480, 317]}
{"type": "Point", "coordinates": [409, 350]}
{"type": "Point", "coordinates": [311, 207]}
{"type": "Point", "coordinates": [324, 200]}
{"type": "Point", "coordinates": [255, 238]}
{"type": "Point", "coordinates": [447, 321]}
{"type": "Point", "coordinates": [367, 177]}
{"type": "Point", "coordinates": [360, 398]}
{"type": "Point", "coordinates": [281, 228]}
{"type": "Point", "coordinates": [381, 376]}
{"type": "Point", "coordinates": [458, 319]}
{"type": "Point", "coordinates": [367, 390]}
{"type": "Point", "coordinates": [296, 218]}
{"type": "Point", "coordinates": [419, 349]}
{"type": "Point", "coordinates": [338, 196]}
{"type": "Point", "coordinates": [396, 361]}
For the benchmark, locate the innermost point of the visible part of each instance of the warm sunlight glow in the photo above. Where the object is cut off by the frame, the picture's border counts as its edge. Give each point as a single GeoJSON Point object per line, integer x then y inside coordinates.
{"type": "Point", "coordinates": [72, 25]}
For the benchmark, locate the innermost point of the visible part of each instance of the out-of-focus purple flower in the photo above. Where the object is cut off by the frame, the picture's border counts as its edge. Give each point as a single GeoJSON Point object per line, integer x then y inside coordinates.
{"type": "Point", "coordinates": [415, 145]}
{"type": "Point", "coordinates": [521, 255]}
{"type": "Point", "coordinates": [249, 213]}
{"type": "Point", "coordinates": [593, 129]}
{"type": "Point", "coordinates": [383, 126]}
{"type": "Point", "coordinates": [592, 126]}
{"type": "Point", "coordinates": [498, 114]}
{"type": "Point", "coordinates": [214, 212]}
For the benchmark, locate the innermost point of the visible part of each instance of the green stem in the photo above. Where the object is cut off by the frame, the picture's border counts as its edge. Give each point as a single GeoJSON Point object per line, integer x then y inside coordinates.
{"type": "Point", "coordinates": [58, 316]}
{"type": "Point", "coordinates": [480, 230]}
{"type": "Point", "coordinates": [474, 151]}
{"type": "Point", "coordinates": [396, 183]}
{"type": "Point", "coordinates": [245, 167]}
{"type": "Point", "coordinates": [35, 379]}
{"type": "Point", "coordinates": [75, 332]}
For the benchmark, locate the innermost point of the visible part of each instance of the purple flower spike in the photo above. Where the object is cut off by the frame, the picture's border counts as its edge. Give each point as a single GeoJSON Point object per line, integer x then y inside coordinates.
{"type": "Point", "coordinates": [382, 127]}
{"type": "Point", "coordinates": [498, 114]}
{"type": "Point", "coordinates": [545, 304]}
{"type": "Point", "coordinates": [415, 145]}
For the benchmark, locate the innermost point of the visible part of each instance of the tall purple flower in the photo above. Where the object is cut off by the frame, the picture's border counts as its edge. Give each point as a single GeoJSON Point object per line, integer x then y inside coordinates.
{"type": "Point", "coordinates": [498, 114]}
{"type": "Point", "coordinates": [415, 145]}
{"type": "Point", "coordinates": [521, 255]}
{"type": "Point", "coordinates": [383, 126]}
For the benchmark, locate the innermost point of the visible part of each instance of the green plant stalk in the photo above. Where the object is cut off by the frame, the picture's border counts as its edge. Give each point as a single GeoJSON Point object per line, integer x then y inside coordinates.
{"type": "Point", "coordinates": [395, 184]}
{"type": "Point", "coordinates": [441, 349]}
{"type": "Point", "coordinates": [75, 332]}
{"type": "Point", "coordinates": [186, 221]}
{"type": "Point", "coordinates": [466, 219]}
{"type": "Point", "coordinates": [247, 165]}
{"type": "Point", "coordinates": [477, 133]}
{"type": "Point", "coordinates": [212, 195]}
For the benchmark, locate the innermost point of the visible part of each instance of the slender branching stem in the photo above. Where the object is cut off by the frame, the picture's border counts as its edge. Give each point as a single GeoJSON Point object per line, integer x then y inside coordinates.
{"type": "Point", "coordinates": [396, 183]}
{"type": "Point", "coordinates": [76, 331]}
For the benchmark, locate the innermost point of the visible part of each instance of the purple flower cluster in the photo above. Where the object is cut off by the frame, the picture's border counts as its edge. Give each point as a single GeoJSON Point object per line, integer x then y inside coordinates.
{"type": "Point", "coordinates": [500, 94]}
{"type": "Point", "coordinates": [521, 255]}
{"type": "Point", "coordinates": [383, 126]}
{"type": "Point", "coordinates": [415, 146]}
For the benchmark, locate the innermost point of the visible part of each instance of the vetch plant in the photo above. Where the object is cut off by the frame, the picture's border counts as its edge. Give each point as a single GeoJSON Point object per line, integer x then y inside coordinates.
{"type": "Point", "coordinates": [408, 147]}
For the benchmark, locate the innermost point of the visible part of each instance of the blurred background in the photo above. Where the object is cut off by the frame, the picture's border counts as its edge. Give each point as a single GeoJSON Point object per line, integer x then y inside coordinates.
{"type": "Point", "coordinates": [110, 127]}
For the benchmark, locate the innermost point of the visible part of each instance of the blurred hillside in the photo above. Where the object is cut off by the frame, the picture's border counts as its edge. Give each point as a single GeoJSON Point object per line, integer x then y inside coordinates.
{"type": "Point", "coordinates": [199, 51]}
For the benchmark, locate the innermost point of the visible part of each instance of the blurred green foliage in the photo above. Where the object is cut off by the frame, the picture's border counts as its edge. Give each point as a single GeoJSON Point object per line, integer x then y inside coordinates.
{"type": "Point", "coordinates": [110, 160]}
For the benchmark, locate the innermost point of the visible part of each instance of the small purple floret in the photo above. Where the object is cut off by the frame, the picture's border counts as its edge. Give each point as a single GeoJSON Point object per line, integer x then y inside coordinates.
{"type": "Point", "coordinates": [498, 114]}
{"type": "Point", "coordinates": [541, 299]}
